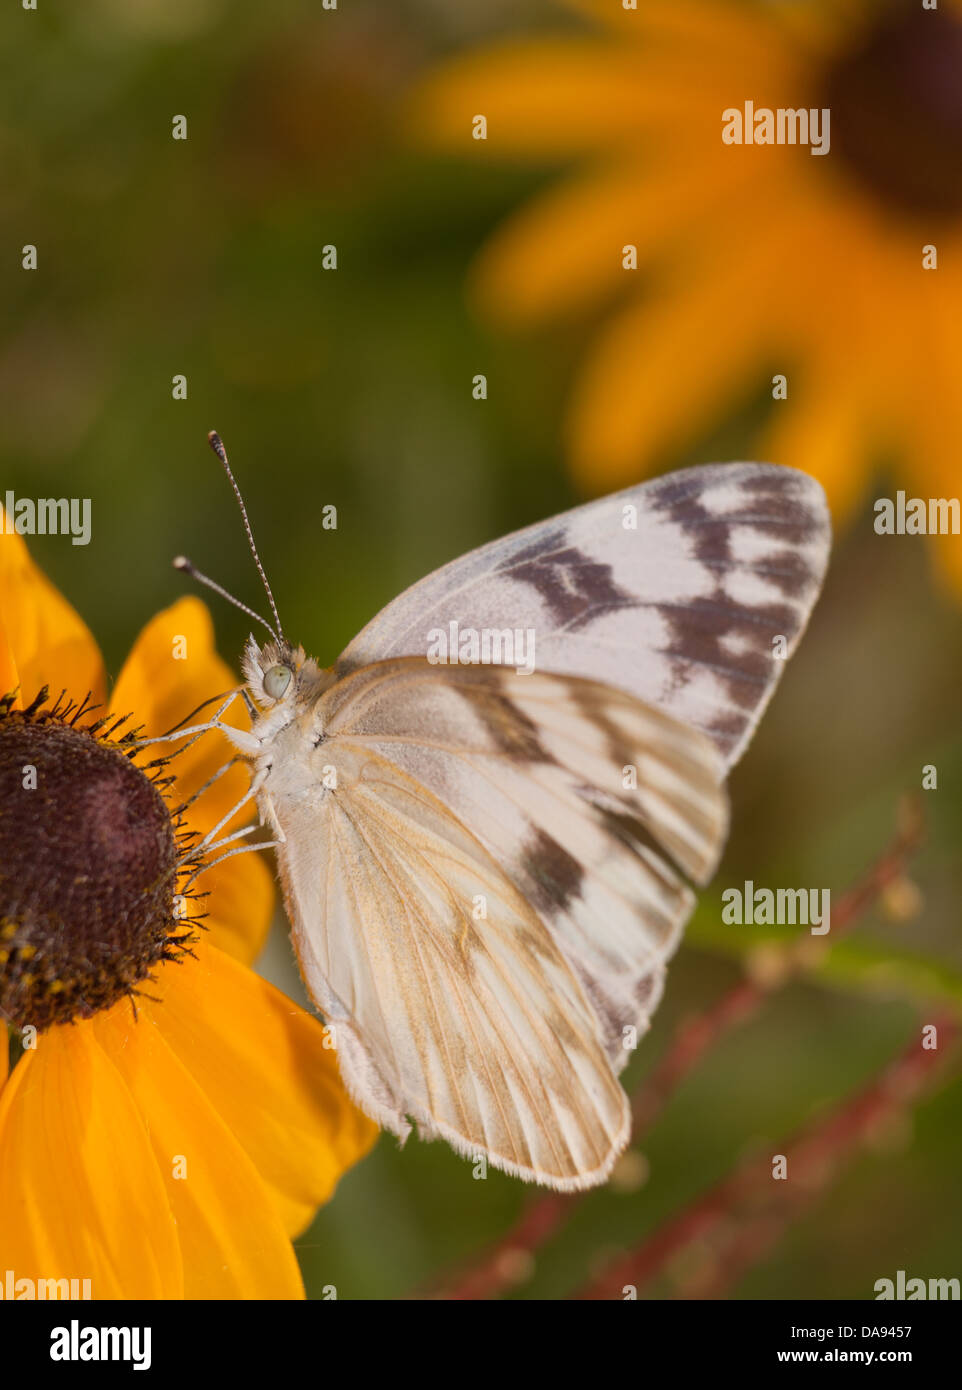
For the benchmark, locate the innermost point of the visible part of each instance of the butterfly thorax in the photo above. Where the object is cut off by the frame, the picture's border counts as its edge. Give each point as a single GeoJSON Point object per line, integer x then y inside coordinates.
{"type": "Point", "coordinates": [286, 687]}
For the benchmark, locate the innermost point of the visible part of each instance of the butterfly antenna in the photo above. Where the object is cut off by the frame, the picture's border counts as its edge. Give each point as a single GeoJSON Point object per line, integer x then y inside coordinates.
{"type": "Point", "coordinates": [216, 444]}
{"type": "Point", "coordinates": [182, 563]}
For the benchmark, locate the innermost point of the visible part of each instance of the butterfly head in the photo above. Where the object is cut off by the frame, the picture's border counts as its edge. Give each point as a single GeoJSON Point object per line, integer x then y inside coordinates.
{"type": "Point", "coordinates": [280, 676]}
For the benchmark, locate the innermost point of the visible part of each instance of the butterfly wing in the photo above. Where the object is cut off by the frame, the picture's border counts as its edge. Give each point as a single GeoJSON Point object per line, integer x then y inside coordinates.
{"type": "Point", "coordinates": [674, 590]}
{"type": "Point", "coordinates": [482, 908]}
{"type": "Point", "coordinates": [571, 808]}
{"type": "Point", "coordinates": [594, 805]}
{"type": "Point", "coordinates": [473, 1028]}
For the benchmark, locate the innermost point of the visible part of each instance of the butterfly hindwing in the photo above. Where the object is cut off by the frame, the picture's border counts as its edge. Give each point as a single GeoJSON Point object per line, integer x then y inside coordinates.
{"type": "Point", "coordinates": [451, 1005]}
{"type": "Point", "coordinates": [482, 908]}
{"type": "Point", "coordinates": [595, 806]}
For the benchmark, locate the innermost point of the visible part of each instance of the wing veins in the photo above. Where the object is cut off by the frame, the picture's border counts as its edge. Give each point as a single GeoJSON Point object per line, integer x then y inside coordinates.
{"type": "Point", "coordinates": [549, 1041]}
{"type": "Point", "coordinates": [479, 1051]}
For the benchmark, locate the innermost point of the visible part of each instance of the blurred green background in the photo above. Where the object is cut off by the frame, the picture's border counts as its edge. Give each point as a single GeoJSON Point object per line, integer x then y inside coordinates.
{"type": "Point", "coordinates": [353, 387]}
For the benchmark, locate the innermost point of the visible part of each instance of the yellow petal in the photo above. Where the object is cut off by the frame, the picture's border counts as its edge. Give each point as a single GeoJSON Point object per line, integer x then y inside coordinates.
{"type": "Point", "coordinates": [933, 416]}
{"type": "Point", "coordinates": [664, 369]}
{"type": "Point", "coordinates": [262, 1062]}
{"type": "Point", "coordinates": [830, 424]}
{"type": "Point", "coordinates": [544, 96]}
{"type": "Point", "coordinates": [565, 249]}
{"type": "Point", "coordinates": [50, 642]}
{"type": "Point", "coordinates": [231, 1238]}
{"type": "Point", "coordinates": [172, 667]}
{"type": "Point", "coordinates": [562, 96]}
{"type": "Point", "coordinates": [82, 1196]}
{"type": "Point", "coordinates": [713, 28]}
{"type": "Point", "coordinates": [821, 430]}
{"type": "Point", "coordinates": [239, 905]}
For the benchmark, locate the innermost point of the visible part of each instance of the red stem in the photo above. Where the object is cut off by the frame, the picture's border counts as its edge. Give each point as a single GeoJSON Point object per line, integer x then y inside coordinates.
{"type": "Point", "coordinates": [812, 1156]}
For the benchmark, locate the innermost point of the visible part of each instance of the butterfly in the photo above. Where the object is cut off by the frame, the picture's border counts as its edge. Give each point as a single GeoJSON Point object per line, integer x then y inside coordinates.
{"type": "Point", "coordinates": [487, 866]}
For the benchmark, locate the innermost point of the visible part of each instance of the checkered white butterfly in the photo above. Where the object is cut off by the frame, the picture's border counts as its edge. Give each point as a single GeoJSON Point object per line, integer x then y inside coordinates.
{"type": "Point", "coordinates": [486, 869]}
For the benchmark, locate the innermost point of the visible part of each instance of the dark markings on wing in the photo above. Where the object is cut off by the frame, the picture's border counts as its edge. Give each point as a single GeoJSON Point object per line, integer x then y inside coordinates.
{"type": "Point", "coordinates": [727, 728]}
{"type": "Point", "coordinates": [513, 732]}
{"type": "Point", "coordinates": [702, 630]}
{"type": "Point", "coordinates": [575, 588]}
{"type": "Point", "coordinates": [597, 712]}
{"type": "Point", "coordinates": [643, 988]}
{"type": "Point", "coordinates": [555, 876]}
{"type": "Point", "coordinates": [709, 535]}
{"type": "Point", "coordinates": [635, 834]}
{"type": "Point", "coordinates": [701, 627]}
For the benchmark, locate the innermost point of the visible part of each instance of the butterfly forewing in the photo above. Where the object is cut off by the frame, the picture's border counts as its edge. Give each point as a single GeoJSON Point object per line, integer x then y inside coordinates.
{"type": "Point", "coordinates": [680, 591]}
{"type": "Point", "coordinates": [451, 1004]}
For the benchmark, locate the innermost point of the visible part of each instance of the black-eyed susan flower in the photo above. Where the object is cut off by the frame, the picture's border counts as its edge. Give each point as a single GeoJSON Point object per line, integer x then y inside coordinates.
{"type": "Point", "coordinates": [172, 1120]}
{"type": "Point", "coordinates": [715, 267]}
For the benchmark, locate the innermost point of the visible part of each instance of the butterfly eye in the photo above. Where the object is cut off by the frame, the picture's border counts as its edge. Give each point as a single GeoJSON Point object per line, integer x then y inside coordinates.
{"type": "Point", "coordinates": [276, 681]}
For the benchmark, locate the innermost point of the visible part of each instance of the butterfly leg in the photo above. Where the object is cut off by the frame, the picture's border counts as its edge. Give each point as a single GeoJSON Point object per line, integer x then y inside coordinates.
{"type": "Point", "coordinates": [218, 844]}
{"type": "Point", "coordinates": [241, 740]}
{"type": "Point", "coordinates": [240, 849]}
{"type": "Point", "coordinates": [195, 796]}
{"type": "Point", "coordinates": [208, 842]}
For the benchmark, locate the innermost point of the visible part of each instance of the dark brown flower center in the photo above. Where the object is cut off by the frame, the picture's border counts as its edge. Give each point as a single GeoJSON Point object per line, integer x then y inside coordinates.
{"type": "Point", "coordinates": [88, 872]}
{"type": "Point", "coordinates": [896, 104]}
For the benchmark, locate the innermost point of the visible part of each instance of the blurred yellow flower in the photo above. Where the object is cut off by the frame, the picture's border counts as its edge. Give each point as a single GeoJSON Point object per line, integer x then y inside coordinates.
{"type": "Point", "coordinates": [752, 260]}
{"type": "Point", "coordinates": [173, 1120]}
